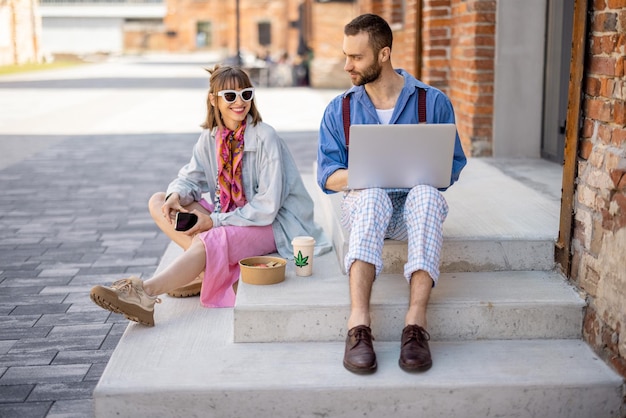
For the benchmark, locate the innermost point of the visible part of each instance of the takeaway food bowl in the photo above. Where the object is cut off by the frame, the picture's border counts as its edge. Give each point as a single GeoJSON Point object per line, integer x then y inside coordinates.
{"type": "Point", "coordinates": [262, 270]}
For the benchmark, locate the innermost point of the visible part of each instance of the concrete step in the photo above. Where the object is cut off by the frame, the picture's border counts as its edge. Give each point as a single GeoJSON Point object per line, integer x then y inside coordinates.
{"type": "Point", "coordinates": [495, 223]}
{"type": "Point", "coordinates": [463, 306]}
{"type": "Point", "coordinates": [188, 365]}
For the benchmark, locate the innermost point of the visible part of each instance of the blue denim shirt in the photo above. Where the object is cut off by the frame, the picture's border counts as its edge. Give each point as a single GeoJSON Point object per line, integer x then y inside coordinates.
{"type": "Point", "coordinates": [272, 185]}
{"type": "Point", "coordinates": [332, 153]}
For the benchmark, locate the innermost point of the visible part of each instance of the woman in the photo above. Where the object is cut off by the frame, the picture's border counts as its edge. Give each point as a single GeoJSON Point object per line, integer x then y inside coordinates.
{"type": "Point", "coordinates": [257, 204]}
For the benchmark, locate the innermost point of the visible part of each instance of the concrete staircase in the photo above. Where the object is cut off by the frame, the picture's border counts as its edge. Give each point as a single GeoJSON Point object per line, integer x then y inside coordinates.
{"type": "Point", "coordinates": [505, 327]}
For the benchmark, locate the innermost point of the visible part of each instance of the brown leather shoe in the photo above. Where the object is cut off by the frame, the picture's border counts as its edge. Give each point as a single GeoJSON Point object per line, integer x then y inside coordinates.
{"type": "Point", "coordinates": [414, 351]}
{"type": "Point", "coordinates": [359, 356]}
{"type": "Point", "coordinates": [187, 291]}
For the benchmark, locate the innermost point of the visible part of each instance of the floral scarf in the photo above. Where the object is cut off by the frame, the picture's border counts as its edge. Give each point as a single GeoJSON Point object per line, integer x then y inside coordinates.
{"type": "Point", "coordinates": [230, 193]}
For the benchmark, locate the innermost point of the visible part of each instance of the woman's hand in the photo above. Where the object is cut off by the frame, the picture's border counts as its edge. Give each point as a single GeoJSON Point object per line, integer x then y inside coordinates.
{"type": "Point", "coordinates": [171, 206]}
{"type": "Point", "coordinates": [204, 223]}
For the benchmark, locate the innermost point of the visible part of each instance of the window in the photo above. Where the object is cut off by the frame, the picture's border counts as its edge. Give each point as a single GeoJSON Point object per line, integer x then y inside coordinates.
{"type": "Point", "coordinates": [265, 33]}
{"type": "Point", "coordinates": [204, 37]}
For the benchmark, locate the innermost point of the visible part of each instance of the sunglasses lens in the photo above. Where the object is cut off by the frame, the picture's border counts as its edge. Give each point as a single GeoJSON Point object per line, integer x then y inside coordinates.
{"type": "Point", "coordinates": [230, 96]}
{"type": "Point", "coordinates": [247, 95]}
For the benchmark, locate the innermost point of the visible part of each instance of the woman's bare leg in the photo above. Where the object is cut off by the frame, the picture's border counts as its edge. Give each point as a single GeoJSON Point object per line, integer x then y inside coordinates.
{"type": "Point", "coordinates": [180, 272]}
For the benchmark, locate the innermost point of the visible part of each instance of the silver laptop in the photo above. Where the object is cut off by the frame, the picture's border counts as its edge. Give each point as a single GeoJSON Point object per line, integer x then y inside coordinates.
{"type": "Point", "coordinates": [402, 156]}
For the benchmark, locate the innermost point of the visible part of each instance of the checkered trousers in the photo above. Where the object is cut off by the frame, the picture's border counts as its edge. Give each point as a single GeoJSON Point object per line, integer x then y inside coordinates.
{"type": "Point", "coordinates": [415, 215]}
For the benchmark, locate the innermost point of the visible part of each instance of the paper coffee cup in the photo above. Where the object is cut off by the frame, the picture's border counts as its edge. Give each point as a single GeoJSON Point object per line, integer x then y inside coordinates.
{"type": "Point", "coordinates": [303, 255]}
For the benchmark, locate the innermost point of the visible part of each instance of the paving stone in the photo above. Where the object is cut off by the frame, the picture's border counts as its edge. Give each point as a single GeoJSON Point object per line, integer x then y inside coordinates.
{"type": "Point", "coordinates": [57, 343]}
{"type": "Point", "coordinates": [95, 372]}
{"type": "Point", "coordinates": [41, 308]}
{"type": "Point", "coordinates": [41, 358]}
{"type": "Point", "coordinates": [5, 346]}
{"type": "Point", "coordinates": [69, 331]}
{"type": "Point", "coordinates": [68, 272]}
{"type": "Point", "coordinates": [79, 408]}
{"type": "Point", "coordinates": [67, 390]}
{"type": "Point", "coordinates": [44, 374]}
{"type": "Point", "coordinates": [23, 333]}
{"type": "Point", "coordinates": [74, 318]}
{"type": "Point", "coordinates": [14, 393]}
{"type": "Point", "coordinates": [22, 410]}
{"type": "Point", "coordinates": [83, 356]}
{"type": "Point", "coordinates": [18, 321]}
{"type": "Point", "coordinates": [26, 299]}
{"type": "Point", "coordinates": [33, 281]}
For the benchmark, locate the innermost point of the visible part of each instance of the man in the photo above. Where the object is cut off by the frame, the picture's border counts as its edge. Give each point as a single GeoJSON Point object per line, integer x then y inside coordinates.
{"type": "Point", "coordinates": [383, 95]}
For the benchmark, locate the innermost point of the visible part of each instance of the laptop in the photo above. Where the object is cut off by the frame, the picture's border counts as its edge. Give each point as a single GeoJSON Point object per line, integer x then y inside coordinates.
{"type": "Point", "coordinates": [400, 156]}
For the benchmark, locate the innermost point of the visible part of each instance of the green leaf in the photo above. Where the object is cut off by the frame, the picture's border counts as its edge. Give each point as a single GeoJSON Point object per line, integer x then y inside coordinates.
{"type": "Point", "coordinates": [301, 261]}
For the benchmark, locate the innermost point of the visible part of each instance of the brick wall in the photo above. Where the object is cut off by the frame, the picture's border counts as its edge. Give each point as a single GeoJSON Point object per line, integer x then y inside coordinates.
{"type": "Point", "coordinates": [183, 15]}
{"type": "Point", "coordinates": [599, 235]}
{"type": "Point", "coordinates": [436, 43]}
{"type": "Point", "coordinates": [457, 57]}
{"type": "Point", "coordinates": [471, 74]}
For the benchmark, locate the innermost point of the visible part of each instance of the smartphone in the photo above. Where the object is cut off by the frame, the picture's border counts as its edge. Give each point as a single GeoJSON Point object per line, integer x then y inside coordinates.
{"type": "Point", "coordinates": [185, 221]}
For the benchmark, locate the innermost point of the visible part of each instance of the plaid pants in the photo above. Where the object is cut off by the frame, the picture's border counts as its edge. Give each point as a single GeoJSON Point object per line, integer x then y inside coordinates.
{"type": "Point", "coordinates": [415, 215]}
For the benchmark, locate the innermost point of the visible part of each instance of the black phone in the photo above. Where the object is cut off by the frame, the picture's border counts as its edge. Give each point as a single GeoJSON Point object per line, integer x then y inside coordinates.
{"type": "Point", "coordinates": [185, 221]}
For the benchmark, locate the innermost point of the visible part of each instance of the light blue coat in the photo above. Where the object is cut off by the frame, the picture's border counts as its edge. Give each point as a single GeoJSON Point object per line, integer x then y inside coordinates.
{"type": "Point", "coordinates": [272, 185]}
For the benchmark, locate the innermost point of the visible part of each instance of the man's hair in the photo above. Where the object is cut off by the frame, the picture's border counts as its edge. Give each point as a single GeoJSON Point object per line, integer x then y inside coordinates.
{"type": "Point", "coordinates": [376, 27]}
{"type": "Point", "coordinates": [226, 77]}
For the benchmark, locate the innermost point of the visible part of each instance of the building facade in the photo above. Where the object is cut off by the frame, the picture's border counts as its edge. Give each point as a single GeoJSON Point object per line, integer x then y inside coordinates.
{"type": "Point", "coordinates": [20, 27]}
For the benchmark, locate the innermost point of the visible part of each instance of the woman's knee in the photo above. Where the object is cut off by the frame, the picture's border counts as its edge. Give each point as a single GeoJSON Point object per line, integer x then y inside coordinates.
{"type": "Point", "coordinates": [155, 203]}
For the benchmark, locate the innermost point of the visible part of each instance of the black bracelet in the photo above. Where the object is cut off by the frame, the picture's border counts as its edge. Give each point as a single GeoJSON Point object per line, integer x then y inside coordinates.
{"type": "Point", "coordinates": [168, 196]}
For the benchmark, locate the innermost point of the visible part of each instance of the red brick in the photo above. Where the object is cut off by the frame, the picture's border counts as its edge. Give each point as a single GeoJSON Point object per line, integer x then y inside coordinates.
{"type": "Point", "coordinates": [604, 22]}
{"type": "Point", "coordinates": [619, 112]}
{"type": "Point", "coordinates": [604, 44]}
{"type": "Point", "coordinates": [616, 4]}
{"type": "Point", "coordinates": [592, 86]}
{"type": "Point", "coordinates": [585, 148]}
{"type": "Point", "coordinates": [618, 138]}
{"type": "Point", "coordinates": [619, 179]}
{"type": "Point", "coordinates": [599, 4]}
{"type": "Point", "coordinates": [598, 109]}
{"type": "Point", "coordinates": [602, 65]}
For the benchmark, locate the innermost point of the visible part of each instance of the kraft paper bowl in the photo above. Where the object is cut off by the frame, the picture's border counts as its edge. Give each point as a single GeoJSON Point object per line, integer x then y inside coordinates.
{"type": "Point", "coordinates": [262, 270]}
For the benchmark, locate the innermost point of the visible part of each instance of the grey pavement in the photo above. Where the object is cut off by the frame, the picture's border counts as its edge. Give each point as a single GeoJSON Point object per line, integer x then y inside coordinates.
{"type": "Point", "coordinates": [81, 151]}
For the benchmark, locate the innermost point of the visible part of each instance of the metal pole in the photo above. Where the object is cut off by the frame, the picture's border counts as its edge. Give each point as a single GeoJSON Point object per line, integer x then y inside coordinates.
{"type": "Point", "coordinates": [238, 36]}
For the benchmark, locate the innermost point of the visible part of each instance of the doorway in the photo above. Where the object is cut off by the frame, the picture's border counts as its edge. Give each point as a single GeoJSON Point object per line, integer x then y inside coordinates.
{"type": "Point", "coordinates": [560, 15]}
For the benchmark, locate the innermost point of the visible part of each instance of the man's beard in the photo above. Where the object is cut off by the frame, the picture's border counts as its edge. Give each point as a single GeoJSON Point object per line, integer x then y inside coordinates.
{"type": "Point", "coordinates": [369, 75]}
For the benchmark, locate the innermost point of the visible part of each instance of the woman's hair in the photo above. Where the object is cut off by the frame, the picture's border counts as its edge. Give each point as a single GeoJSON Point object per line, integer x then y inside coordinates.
{"type": "Point", "coordinates": [380, 35]}
{"type": "Point", "coordinates": [226, 77]}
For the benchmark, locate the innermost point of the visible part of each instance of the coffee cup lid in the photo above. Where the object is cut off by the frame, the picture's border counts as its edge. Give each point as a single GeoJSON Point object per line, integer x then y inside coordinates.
{"type": "Point", "coordinates": [303, 240]}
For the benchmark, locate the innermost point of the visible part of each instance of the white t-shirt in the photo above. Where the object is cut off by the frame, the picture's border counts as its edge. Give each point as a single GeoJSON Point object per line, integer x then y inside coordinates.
{"type": "Point", "coordinates": [384, 115]}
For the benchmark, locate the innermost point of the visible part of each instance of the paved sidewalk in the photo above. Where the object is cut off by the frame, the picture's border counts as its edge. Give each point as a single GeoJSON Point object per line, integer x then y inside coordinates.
{"type": "Point", "coordinates": [81, 151]}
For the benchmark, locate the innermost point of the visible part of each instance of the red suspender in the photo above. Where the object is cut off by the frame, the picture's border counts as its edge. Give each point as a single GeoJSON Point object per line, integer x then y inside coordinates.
{"type": "Point", "coordinates": [421, 106]}
{"type": "Point", "coordinates": [345, 105]}
{"type": "Point", "coordinates": [346, 119]}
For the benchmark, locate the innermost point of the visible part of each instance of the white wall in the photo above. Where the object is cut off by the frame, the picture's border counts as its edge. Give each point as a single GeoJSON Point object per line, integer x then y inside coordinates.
{"type": "Point", "coordinates": [82, 35]}
{"type": "Point", "coordinates": [518, 85]}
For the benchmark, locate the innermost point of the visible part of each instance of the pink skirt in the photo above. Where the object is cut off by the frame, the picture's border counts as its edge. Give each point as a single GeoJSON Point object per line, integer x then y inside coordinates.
{"type": "Point", "coordinates": [224, 246]}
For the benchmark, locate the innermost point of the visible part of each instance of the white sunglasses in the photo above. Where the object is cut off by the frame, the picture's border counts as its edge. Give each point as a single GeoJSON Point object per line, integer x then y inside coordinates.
{"type": "Point", "coordinates": [230, 96]}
